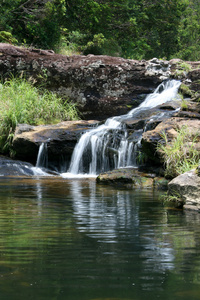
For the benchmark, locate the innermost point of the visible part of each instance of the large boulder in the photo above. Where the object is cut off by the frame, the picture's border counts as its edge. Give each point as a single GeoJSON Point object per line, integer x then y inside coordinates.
{"type": "Point", "coordinates": [60, 139]}
{"type": "Point", "coordinates": [185, 189]}
{"type": "Point", "coordinates": [102, 86]}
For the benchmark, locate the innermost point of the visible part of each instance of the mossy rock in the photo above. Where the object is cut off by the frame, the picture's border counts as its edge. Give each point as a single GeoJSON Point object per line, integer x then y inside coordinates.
{"type": "Point", "coordinates": [161, 183]}
{"type": "Point", "coordinates": [186, 91]}
{"type": "Point", "coordinates": [130, 177]}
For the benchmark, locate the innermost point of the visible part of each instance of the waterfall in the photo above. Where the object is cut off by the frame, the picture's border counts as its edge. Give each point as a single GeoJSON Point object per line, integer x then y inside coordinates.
{"type": "Point", "coordinates": [42, 158]}
{"type": "Point", "coordinates": [107, 146]}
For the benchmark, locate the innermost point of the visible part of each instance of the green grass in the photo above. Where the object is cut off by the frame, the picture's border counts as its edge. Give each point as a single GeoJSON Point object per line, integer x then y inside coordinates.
{"type": "Point", "coordinates": [21, 102]}
{"type": "Point", "coordinates": [180, 155]}
{"type": "Point", "coordinates": [184, 104]}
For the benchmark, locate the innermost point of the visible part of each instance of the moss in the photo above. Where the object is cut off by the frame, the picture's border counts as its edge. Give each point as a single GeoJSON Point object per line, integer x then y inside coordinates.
{"type": "Point", "coordinates": [182, 69]}
{"type": "Point", "coordinates": [184, 66]}
{"type": "Point", "coordinates": [185, 90]}
{"type": "Point", "coordinates": [160, 183]}
{"type": "Point", "coordinates": [184, 105]}
{"type": "Point", "coordinates": [172, 200]}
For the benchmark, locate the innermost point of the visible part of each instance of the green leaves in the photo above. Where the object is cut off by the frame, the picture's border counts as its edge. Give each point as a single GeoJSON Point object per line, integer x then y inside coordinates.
{"type": "Point", "coordinates": [189, 32]}
{"type": "Point", "coordinates": [37, 22]}
{"type": "Point", "coordinates": [137, 29]}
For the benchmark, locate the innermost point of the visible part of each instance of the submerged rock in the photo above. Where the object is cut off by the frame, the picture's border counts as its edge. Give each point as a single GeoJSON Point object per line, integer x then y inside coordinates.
{"type": "Point", "coordinates": [132, 178]}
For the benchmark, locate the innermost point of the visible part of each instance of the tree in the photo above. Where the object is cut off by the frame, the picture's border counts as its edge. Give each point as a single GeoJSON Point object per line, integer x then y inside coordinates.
{"type": "Point", "coordinates": [35, 22]}
{"type": "Point", "coordinates": [189, 32]}
{"type": "Point", "coordinates": [160, 26]}
{"type": "Point", "coordinates": [130, 28]}
{"type": "Point", "coordinates": [141, 28]}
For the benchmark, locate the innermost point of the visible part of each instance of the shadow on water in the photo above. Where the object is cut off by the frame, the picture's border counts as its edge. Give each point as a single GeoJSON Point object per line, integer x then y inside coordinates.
{"type": "Point", "coordinates": [73, 239]}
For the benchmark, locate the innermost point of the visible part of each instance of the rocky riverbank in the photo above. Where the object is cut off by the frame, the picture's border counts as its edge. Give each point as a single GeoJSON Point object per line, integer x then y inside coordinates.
{"type": "Point", "coordinates": [103, 87]}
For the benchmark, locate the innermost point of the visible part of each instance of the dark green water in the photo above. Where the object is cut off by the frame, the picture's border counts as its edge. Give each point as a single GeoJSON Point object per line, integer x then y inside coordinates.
{"type": "Point", "coordinates": [72, 239]}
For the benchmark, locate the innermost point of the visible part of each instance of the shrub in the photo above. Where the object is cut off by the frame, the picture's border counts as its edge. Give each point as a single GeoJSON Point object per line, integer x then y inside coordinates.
{"type": "Point", "coordinates": [21, 102]}
{"type": "Point", "coordinates": [180, 155]}
{"type": "Point", "coordinates": [7, 37]}
{"type": "Point", "coordinates": [96, 45]}
{"type": "Point", "coordinates": [70, 43]}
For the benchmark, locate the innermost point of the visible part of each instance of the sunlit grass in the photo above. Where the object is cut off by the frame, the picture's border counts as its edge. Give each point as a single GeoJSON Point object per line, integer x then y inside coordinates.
{"type": "Point", "coordinates": [21, 102]}
{"type": "Point", "coordinates": [180, 155]}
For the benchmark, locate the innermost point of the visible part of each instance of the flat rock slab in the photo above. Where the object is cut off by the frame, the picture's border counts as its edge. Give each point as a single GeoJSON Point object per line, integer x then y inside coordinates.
{"type": "Point", "coordinates": [132, 178]}
{"type": "Point", "coordinates": [60, 138]}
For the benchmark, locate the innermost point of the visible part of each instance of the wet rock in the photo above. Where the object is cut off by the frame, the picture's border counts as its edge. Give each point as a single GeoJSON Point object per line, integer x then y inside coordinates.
{"type": "Point", "coordinates": [150, 118]}
{"type": "Point", "coordinates": [9, 167]}
{"type": "Point", "coordinates": [188, 114]}
{"type": "Point", "coordinates": [131, 178]}
{"type": "Point", "coordinates": [161, 183]}
{"type": "Point", "coordinates": [61, 139]}
{"type": "Point", "coordinates": [151, 138]}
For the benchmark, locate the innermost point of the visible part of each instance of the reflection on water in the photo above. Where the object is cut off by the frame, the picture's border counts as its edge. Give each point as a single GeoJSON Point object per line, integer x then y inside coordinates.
{"type": "Point", "coordinates": [104, 212]}
{"type": "Point", "coordinates": [73, 239]}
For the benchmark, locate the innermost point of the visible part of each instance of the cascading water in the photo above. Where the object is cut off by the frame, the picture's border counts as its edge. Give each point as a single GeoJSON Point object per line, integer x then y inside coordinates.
{"type": "Point", "coordinates": [42, 158]}
{"type": "Point", "coordinates": [42, 161]}
{"type": "Point", "coordinates": [107, 146]}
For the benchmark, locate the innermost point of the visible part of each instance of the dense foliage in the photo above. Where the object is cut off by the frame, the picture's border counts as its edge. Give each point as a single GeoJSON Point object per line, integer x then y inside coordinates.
{"type": "Point", "coordinates": [130, 28]}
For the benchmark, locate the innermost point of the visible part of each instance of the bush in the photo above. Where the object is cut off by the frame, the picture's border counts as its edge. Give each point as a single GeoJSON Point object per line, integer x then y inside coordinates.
{"type": "Point", "coordinates": [7, 37]}
{"type": "Point", "coordinates": [70, 43]}
{"type": "Point", "coordinates": [180, 155]}
{"type": "Point", "coordinates": [21, 102]}
{"type": "Point", "coordinates": [102, 46]}
{"type": "Point", "coordinates": [96, 45]}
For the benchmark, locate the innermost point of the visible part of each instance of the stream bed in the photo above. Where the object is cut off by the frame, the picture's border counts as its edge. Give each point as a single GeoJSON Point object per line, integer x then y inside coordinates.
{"type": "Point", "coordinates": [74, 239]}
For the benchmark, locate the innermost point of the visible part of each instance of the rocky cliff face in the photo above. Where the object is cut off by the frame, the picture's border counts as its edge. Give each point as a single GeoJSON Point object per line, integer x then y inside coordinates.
{"type": "Point", "coordinates": [102, 86]}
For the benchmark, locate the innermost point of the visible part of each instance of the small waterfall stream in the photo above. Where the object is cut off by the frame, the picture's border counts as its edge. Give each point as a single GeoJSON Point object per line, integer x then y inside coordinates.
{"type": "Point", "coordinates": [42, 158]}
{"type": "Point", "coordinates": [107, 146]}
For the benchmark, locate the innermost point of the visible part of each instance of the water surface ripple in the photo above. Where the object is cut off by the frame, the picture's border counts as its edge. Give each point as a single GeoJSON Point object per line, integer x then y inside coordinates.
{"type": "Point", "coordinates": [74, 239]}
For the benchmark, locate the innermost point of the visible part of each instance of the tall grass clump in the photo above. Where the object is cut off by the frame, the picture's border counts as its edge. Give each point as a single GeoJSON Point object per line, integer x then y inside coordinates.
{"type": "Point", "coordinates": [21, 102]}
{"type": "Point", "coordinates": [180, 155]}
